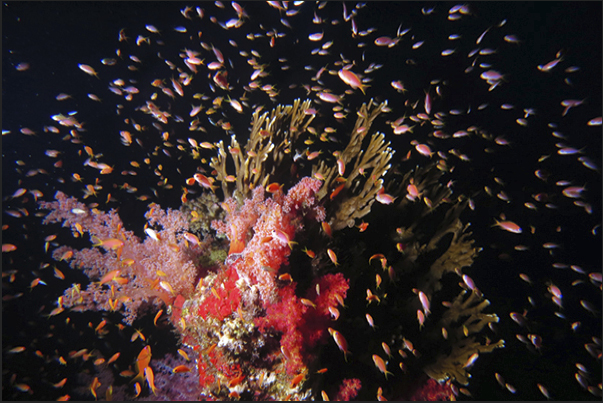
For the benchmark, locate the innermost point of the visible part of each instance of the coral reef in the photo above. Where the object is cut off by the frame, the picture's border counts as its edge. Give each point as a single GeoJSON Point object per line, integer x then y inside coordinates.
{"type": "Point", "coordinates": [262, 284]}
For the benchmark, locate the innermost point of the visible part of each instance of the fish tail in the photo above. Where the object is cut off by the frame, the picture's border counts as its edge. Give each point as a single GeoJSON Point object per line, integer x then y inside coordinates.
{"type": "Point", "coordinates": [139, 377]}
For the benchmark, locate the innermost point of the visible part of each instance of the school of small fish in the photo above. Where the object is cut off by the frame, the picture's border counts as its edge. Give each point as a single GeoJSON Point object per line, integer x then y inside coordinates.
{"type": "Point", "coordinates": [173, 92]}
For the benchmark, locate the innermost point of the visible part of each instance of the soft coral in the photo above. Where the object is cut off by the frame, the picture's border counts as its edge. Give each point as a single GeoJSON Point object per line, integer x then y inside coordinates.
{"type": "Point", "coordinates": [224, 298]}
{"type": "Point", "coordinates": [302, 326]}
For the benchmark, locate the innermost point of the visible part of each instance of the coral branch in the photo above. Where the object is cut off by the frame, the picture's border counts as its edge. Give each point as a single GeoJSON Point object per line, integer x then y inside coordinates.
{"type": "Point", "coordinates": [364, 169]}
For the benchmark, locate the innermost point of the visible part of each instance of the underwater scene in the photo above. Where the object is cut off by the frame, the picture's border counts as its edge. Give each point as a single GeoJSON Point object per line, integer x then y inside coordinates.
{"type": "Point", "coordinates": [301, 201]}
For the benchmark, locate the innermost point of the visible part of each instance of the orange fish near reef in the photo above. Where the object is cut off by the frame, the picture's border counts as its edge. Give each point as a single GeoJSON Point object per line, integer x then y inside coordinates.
{"type": "Point", "coordinates": [109, 276]}
{"type": "Point", "coordinates": [274, 187]}
{"type": "Point", "coordinates": [180, 369]}
{"type": "Point", "coordinates": [112, 243]}
{"type": "Point", "coordinates": [95, 385]}
{"type": "Point", "coordinates": [337, 190]}
{"type": "Point", "coordinates": [283, 237]}
{"type": "Point", "coordinates": [384, 198]}
{"type": "Point", "coordinates": [113, 358]}
{"type": "Point", "coordinates": [327, 228]}
{"type": "Point", "coordinates": [381, 365]}
{"type": "Point", "coordinates": [508, 226]}
{"type": "Point", "coordinates": [351, 79]}
{"type": "Point", "coordinates": [362, 226]}
{"type": "Point", "coordinates": [150, 377]}
{"type": "Point", "coordinates": [142, 362]}
{"type": "Point", "coordinates": [332, 256]}
{"type": "Point", "coordinates": [340, 341]}
{"type": "Point", "coordinates": [296, 380]}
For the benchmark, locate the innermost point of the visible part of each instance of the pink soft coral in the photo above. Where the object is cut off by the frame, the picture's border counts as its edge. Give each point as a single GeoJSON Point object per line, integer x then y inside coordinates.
{"type": "Point", "coordinates": [138, 263]}
{"type": "Point", "coordinates": [261, 231]}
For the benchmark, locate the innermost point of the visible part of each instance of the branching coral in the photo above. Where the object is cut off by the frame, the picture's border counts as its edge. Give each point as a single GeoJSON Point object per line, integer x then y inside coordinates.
{"type": "Point", "coordinates": [364, 169]}
{"type": "Point", "coordinates": [431, 243]}
{"type": "Point", "coordinates": [268, 154]}
{"type": "Point", "coordinates": [457, 363]}
{"type": "Point", "coordinates": [471, 307]}
{"type": "Point", "coordinates": [421, 184]}
{"type": "Point", "coordinates": [459, 254]}
{"type": "Point", "coordinates": [268, 150]}
{"type": "Point", "coordinates": [426, 204]}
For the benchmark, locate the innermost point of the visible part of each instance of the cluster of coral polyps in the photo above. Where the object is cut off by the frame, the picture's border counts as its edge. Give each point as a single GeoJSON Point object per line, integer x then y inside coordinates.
{"type": "Point", "coordinates": [256, 338]}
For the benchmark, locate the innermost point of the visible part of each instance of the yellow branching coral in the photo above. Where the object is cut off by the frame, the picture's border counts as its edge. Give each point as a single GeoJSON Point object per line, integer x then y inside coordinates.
{"type": "Point", "coordinates": [471, 307]}
{"type": "Point", "coordinates": [364, 169]}
{"type": "Point", "coordinates": [272, 139]}
{"type": "Point", "coordinates": [460, 253]}
{"type": "Point", "coordinates": [425, 183]}
{"type": "Point", "coordinates": [267, 156]}
{"type": "Point", "coordinates": [456, 365]}
{"type": "Point", "coordinates": [433, 242]}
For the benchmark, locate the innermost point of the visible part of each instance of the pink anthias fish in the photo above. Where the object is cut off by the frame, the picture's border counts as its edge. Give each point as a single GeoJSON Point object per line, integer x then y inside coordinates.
{"type": "Point", "coordinates": [508, 226]}
{"type": "Point", "coordinates": [351, 79]}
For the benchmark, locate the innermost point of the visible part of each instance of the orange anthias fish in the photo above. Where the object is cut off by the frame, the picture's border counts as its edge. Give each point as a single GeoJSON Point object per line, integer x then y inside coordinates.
{"type": "Point", "coordinates": [508, 226]}
{"type": "Point", "coordinates": [283, 237]}
{"type": "Point", "coordinates": [95, 385]}
{"type": "Point", "coordinates": [113, 358]}
{"type": "Point", "coordinates": [88, 70]}
{"type": "Point", "coordinates": [340, 341]}
{"type": "Point", "coordinates": [148, 373]}
{"type": "Point", "coordinates": [380, 364]}
{"type": "Point", "coordinates": [362, 226]}
{"type": "Point", "coordinates": [142, 362]}
{"type": "Point", "coordinates": [109, 276]}
{"type": "Point", "coordinates": [180, 369]}
{"type": "Point", "coordinates": [332, 256]}
{"type": "Point", "coordinates": [274, 187]}
{"type": "Point", "coordinates": [351, 79]}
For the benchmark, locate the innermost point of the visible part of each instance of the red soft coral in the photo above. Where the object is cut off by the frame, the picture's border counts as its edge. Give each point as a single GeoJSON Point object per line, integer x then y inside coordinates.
{"type": "Point", "coordinates": [316, 321]}
{"type": "Point", "coordinates": [286, 316]}
{"type": "Point", "coordinates": [433, 391]}
{"type": "Point", "coordinates": [348, 390]}
{"type": "Point", "coordinates": [302, 326]}
{"type": "Point", "coordinates": [205, 379]}
{"type": "Point", "coordinates": [224, 298]}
